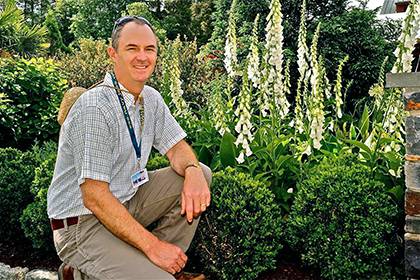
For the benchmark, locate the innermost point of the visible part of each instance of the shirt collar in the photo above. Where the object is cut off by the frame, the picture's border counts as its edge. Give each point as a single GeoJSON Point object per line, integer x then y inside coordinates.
{"type": "Point", "coordinates": [128, 97]}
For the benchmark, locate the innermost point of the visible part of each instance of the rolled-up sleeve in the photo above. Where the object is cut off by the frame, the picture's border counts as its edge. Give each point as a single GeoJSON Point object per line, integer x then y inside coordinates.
{"type": "Point", "coordinates": [167, 130]}
{"type": "Point", "coordinates": [92, 143]}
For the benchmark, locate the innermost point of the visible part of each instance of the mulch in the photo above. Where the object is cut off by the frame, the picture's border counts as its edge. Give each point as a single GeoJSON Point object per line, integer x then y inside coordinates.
{"type": "Point", "coordinates": [289, 271]}
{"type": "Point", "coordinates": [23, 255]}
{"type": "Point", "coordinates": [288, 268]}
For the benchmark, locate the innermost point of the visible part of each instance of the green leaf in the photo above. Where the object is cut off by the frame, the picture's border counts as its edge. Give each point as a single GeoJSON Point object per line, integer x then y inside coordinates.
{"type": "Point", "coordinates": [280, 148]}
{"type": "Point", "coordinates": [282, 159]}
{"type": "Point", "coordinates": [352, 132]}
{"type": "Point", "coordinates": [227, 150]}
{"type": "Point", "coordinates": [359, 144]}
{"type": "Point", "coordinates": [385, 141]}
{"type": "Point", "coordinates": [204, 156]}
{"type": "Point", "coordinates": [397, 193]}
{"type": "Point", "coordinates": [364, 123]}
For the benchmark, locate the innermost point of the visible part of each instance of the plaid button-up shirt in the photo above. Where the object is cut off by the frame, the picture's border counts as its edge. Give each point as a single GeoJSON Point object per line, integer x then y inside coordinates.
{"type": "Point", "coordinates": [95, 143]}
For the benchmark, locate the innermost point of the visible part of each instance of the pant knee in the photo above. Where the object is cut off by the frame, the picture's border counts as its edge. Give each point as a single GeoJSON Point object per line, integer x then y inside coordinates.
{"type": "Point", "coordinates": [207, 173]}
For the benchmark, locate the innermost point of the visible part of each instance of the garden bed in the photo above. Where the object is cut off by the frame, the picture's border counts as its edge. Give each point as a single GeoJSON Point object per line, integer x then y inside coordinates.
{"type": "Point", "coordinates": [22, 255]}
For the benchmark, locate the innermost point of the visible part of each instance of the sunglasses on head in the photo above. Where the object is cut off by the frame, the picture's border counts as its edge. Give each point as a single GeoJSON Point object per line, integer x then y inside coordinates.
{"type": "Point", "coordinates": [126, 19]}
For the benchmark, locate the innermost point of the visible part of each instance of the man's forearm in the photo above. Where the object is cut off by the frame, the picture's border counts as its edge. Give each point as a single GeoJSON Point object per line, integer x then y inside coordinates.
{"type": "Point", "coordinates": [180, 156]}
{"type": "Point", "coordinates": [114, 216]}
{"type": "Point", "coordinates": [195, 196]}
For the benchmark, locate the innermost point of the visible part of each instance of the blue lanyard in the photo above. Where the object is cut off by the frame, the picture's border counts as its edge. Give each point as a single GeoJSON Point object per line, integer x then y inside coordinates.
{"type": "Point", "coordinates": [137, 148]}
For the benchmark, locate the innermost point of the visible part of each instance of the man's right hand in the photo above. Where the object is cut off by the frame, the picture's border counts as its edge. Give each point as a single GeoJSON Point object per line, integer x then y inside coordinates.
{"type": "Point", "coordinates": [167, 256]}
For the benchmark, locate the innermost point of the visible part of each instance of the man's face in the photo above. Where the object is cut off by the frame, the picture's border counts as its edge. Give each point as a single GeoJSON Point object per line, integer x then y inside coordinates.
{"type": "Point", "coordinates": [136, 56]}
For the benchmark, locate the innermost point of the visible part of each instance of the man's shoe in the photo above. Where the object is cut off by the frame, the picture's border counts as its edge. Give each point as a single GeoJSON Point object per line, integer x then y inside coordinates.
{"type": "Point", "coordinates": [189, 276]}
{"type": "Point", "coordinates": [65, 272]}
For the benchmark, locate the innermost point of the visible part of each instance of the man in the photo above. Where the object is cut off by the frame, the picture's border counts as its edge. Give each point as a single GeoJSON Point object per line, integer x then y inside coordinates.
{"type": "Point", "coordinates": [98, 206]}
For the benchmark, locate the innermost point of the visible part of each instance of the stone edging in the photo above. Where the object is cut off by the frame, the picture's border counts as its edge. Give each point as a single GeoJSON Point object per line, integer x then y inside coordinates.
{"type": "Point", "coordinates": [19, 273]}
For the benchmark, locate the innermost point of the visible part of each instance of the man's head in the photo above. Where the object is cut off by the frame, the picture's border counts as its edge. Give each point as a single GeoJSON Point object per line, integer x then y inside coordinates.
{"type": "Point", "coordinates": [133, 50]}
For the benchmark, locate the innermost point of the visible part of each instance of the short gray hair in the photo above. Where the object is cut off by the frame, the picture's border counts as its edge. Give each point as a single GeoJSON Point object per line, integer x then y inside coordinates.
{"type": "Point", "coordinates": [121, 22]}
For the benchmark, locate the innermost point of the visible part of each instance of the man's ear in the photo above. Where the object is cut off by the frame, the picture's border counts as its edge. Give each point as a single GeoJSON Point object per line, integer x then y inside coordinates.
{"type": "Point", "coordinates": [112, 53]}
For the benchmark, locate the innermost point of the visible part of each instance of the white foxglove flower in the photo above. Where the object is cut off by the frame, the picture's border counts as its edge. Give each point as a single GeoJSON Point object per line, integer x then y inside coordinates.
{"type": "Point", "coordinates": [176, 83]}
{"type": "Point", "coordinates": [231, 60]}
{"type": "Point", "coordinates": [218, 111]}
{"type": "Point", "coordinates": [272, 82]}
{"type": "Point", "coordinates": [243, 114]}
{"type": "Point", "coordinates": [253, 56]}
{"type": "Point", "coordinates": [303, 69]}
{"type": "Point", "coordinates": [241, 158]}
{"type": "Point", "coordinates": [315, 102]}
{"type": "Point", "coordinates": [338, 88]}
{"type": "Point", "coordinates": [407, 39]}
{"type": "Point", "coordinates": [172, 79]}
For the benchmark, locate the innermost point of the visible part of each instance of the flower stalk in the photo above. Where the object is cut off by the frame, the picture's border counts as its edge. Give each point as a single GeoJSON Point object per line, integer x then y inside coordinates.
{"type": "Point", "coordinates": [407, 39]}
{"type": "Point", "coordinates": [315, 102]}
{"type": "Point", "coordinates": [231, 60]}
{"type": "Point", "coordinates": [243, 125]}
{"type": "Point", "coordinates": [272, 82]}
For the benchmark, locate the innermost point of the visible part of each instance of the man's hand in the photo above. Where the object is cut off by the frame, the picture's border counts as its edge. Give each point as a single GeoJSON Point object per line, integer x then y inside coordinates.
{"type": "Point", "coordinates": [167, 256]}
{"type": "Point", "coordinates": [195, 197]}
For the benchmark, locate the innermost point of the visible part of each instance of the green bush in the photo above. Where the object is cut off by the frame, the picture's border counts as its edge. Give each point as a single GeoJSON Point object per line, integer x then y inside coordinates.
{"type": "Point", "coordinates": [343, 222]}
{"type": "Point", "coordinates": [34, 220]}
{"type": "Point", "coordinates": [157, 161]}
{"type": "Point", "coordinates": [64, 11]}
{"type": "Point", "coordinates": [54, 34]}
{"type": "Point", "coordinates": [195, 75]}
{"type": "Point", "coordinates": [16, 174]}
{"type": "Point", "coordinates": [35, 88]}
{"type": "Point", "coordinates": [87, 65]}
{"type": "Point", "coordinates": [95, 18]}
{"type": "Point", "coordinates": [356, 33]}
{"type": "Point", "coordinates": [238, 237]}
{"type": "Point", "coordinates": [142, 9]}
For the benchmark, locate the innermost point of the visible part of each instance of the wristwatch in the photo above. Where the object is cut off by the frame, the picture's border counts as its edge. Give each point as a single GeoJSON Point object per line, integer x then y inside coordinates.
{"type": "Point", "coordinates": [192, 164]}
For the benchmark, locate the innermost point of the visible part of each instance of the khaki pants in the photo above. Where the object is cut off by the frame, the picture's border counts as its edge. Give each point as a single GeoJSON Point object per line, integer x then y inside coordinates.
{"type": "Point", "coordinates": [96, 253]}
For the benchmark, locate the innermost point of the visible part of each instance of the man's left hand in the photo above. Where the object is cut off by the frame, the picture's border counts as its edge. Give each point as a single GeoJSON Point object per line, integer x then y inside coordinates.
{"type": "Point", "coordinates": [195, 197]}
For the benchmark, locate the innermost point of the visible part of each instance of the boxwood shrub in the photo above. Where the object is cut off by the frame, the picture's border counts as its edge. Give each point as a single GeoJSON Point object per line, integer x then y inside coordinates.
{"type": "Point", "coordinates": [34, 219]}
{"type": "Point", "coordinates": [342, 222]}
{"type": "Point", "coordinates": [238, 236]}
{"type": "Point", "coordinates": [16, 175]}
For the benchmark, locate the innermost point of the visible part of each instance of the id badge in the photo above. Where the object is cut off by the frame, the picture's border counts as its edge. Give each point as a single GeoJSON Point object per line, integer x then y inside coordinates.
{"type": "Point", "coordinates": [139, 178]}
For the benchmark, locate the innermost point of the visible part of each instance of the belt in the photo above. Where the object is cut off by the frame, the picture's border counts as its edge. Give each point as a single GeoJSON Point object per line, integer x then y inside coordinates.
{"type": "Point", "coordinates": [61, 223]}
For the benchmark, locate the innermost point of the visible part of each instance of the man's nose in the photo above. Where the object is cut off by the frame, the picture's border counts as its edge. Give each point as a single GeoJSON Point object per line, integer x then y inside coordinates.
{"type": "Point", "coordinates": [141, 55]}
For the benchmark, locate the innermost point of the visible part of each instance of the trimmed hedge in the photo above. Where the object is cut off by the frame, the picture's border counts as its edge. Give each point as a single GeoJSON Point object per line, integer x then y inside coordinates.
{"type": "Point", "coordinates": [238, 237]}
{"type": "Point", "coordinates": [34, 220]}
{"type": "Point", "coordinates": [16, 175]}
{"type": "Point", "coordinates": [343, 222]}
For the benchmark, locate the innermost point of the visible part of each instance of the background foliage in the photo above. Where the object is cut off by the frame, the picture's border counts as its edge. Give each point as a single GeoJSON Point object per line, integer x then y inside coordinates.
{"type": "Point", "coordinates": [46, 47]}
{"type": "Point", "coordinates": [87, 65]}
{"type": "Point", "coordinates": [34, 219]}
{"type": "Point", "coordinates": [35, 88]}
{"type": "Point", "coordinates": [16, 175]}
